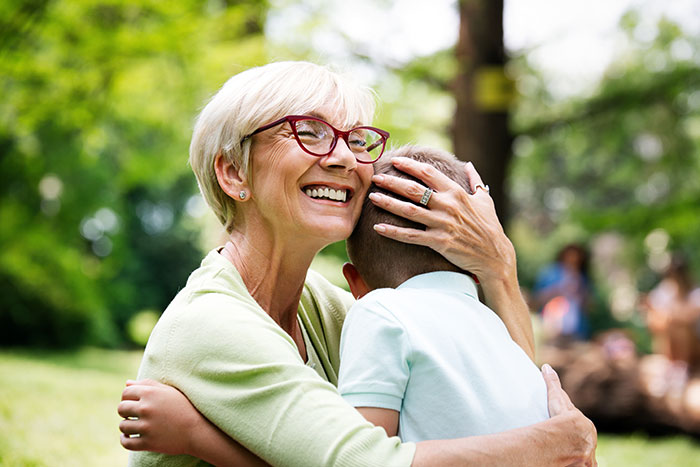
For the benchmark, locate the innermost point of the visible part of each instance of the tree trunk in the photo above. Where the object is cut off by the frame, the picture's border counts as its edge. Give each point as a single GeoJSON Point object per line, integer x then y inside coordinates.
{"type": "Point", "coordinates": [483, 95]}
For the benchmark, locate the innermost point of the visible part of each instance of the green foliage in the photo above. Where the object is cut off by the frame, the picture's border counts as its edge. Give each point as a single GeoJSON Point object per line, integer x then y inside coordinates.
{"type": "Point", "coordinates": [140, 326]}
{"type": "Point", "coordinates": [98, 99]}
{"type": "Point", "coordinates": [623, 162]}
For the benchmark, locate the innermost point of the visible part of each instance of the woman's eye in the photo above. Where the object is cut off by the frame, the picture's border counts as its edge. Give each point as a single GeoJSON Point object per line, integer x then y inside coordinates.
{"type": "Point", "coordinates": [308, 133]}
{"type": "Point", "coordinates": [311, 129]}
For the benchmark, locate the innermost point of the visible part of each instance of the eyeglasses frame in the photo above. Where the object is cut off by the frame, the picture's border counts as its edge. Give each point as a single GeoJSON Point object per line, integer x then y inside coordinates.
{"type": "Point", "coordinates": [336, 134]}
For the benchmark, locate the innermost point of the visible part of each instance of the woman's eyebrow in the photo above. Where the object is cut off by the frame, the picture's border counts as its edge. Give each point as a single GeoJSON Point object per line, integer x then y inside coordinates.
{"type": "Point", "coordinates": [326, 119]}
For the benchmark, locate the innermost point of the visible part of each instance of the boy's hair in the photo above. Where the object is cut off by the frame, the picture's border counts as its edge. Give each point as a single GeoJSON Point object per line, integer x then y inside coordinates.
{"type": "Point", "coordinates": [383, 262]}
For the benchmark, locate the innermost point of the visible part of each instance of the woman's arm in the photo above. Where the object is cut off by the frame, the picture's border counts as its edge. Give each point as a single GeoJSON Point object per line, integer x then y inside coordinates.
{"type": "Point", "coordinates": [244, 374]}
{"type": "Point", "coordinates": [172, 425]}
{"type": "Point", "coordinates": [464, 228]}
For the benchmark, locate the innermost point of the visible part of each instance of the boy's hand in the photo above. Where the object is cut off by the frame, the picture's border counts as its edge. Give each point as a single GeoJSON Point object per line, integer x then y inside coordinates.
{"type": "Point", "coordinates": [157, 418]}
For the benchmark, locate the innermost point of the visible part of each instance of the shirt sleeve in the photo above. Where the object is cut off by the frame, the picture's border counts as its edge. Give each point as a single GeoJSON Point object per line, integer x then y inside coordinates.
{"type": "Point", "coordinates": [374, 356]}
{"type": "Point", "coordinates": [244, 373]}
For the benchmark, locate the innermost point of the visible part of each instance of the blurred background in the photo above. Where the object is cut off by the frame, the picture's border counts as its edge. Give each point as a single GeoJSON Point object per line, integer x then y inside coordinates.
{"type": "Point", "coordinates": [583, 117]}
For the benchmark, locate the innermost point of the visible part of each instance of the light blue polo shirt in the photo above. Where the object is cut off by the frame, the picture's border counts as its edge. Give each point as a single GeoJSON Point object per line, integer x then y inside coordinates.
{"type": "Point", "coordinates": [431, 351]}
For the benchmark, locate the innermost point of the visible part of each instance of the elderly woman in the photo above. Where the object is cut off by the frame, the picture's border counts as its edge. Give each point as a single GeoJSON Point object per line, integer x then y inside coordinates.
{"type": "Point", "coordinates": [283, 155]}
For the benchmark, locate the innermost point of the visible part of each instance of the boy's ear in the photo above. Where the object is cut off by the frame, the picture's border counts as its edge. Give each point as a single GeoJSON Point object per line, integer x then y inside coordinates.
{"type": "Point", "coordinates": [232, 180]}
{"type": "Point", "coordinates": [357, 284]}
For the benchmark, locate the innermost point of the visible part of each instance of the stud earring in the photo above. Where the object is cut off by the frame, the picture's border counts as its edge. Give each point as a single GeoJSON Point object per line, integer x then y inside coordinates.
{"type": "Point", "coordinates": [242, 194]}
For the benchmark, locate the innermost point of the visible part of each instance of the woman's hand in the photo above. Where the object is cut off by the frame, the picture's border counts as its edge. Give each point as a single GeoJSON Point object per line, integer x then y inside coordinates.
{"type": "Point", "coordinates": [157, 417]}
{"type": "Point", "coordinates": [461, 226]}
{"type": "Point", "coordinates": [580, 433]}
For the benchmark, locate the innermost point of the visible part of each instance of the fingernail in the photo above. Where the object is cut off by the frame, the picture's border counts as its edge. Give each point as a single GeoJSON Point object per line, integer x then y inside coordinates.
{"type": "Point", "coordinates": [547, 370]}
{"type": "Point", "coordinates": [375, 196]}
{"type": "Point", "coordinates": [378, 178]}
{"type": "Point", "coordinates": [379, 228]}
{"type": "Point", "coordinates": [469, 164]}
{"type": "Point", "coordinates": [398, 160]}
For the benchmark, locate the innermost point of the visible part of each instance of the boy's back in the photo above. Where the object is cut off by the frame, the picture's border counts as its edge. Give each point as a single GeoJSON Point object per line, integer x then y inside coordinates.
{"type": "Point", "coordinates": [420, 349]}
{"type": "Point", "coordinates": [431, 351]}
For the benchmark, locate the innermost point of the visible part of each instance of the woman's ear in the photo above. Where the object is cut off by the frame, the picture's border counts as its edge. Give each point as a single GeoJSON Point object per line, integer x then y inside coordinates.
{"type": "Point", "coordinates": [232, 180]}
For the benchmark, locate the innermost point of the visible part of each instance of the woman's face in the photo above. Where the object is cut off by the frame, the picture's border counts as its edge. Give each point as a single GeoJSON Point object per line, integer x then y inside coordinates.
{"type": "Point", "coordinates": [283, 175]}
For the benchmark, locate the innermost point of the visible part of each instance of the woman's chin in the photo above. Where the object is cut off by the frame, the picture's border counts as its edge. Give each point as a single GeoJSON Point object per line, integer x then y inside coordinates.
{"type": "Point", "coordinates": [331, 232]}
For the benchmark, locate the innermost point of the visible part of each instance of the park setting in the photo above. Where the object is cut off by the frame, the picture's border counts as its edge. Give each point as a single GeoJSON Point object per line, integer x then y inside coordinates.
{"type": "Point", "coordinates": [582, 119]}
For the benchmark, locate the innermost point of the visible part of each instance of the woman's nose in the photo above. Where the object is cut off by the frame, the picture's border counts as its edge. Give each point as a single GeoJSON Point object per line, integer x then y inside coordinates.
{"type": "Point", "coordinates": [341, 157]}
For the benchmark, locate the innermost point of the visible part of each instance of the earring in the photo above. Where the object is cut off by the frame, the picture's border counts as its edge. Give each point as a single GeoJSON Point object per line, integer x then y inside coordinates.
{"type": "Point", "coordinates": [242, 194]}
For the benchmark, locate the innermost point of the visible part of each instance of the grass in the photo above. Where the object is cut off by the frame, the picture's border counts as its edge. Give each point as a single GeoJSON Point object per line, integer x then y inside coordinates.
{"type": "Point", "coordinates": [59, 409]}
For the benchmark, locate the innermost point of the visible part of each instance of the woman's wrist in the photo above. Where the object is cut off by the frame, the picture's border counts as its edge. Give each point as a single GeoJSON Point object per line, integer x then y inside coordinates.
{"type": "Point", "coordinates": [503, 296]}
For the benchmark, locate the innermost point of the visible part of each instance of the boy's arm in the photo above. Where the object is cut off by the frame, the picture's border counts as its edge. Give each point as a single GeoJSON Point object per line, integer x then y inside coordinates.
{"type": "Point", "coordinates": [164, 420]}
{"type": "Point", "coordinates": [385, 418]}
{"type": "Point", "coordinates": [374, 361]}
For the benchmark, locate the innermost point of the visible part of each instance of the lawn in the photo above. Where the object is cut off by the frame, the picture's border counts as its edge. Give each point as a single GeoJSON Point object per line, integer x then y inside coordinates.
{"type": "Point", "coordinates": [59, 409]}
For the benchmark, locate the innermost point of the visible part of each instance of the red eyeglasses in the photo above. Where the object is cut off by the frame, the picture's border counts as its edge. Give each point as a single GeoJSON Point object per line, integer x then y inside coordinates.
{"type": "Point", "coordinates": [319, 138]}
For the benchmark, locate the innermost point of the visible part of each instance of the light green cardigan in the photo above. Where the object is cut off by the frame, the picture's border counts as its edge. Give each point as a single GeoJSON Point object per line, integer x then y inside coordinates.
{"type": "Point", "coordinates": [245, 374]}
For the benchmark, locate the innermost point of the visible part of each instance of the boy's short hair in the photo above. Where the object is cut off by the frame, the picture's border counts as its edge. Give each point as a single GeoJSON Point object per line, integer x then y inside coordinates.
{"type": "Point", "coordinates": [383, 262]}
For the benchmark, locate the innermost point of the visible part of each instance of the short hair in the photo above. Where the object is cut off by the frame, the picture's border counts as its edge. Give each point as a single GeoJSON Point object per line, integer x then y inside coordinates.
{"type": "Point", "coordinates": [381, 261]}
{"type": "Point", "coordinates": [259, 96]}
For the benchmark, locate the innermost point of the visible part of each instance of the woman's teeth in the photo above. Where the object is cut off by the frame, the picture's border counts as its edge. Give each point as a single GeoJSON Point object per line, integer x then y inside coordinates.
{"type": "Point", "coordinates": [330, 193]}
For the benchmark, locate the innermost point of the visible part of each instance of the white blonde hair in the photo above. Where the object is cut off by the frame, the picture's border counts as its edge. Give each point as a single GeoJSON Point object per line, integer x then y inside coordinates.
{"type": "Point", "coordinates": [259, 96]}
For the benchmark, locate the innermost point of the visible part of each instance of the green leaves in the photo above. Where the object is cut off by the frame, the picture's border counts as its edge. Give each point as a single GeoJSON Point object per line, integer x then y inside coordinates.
{"type": "Point", "coordinates": [96, 116]}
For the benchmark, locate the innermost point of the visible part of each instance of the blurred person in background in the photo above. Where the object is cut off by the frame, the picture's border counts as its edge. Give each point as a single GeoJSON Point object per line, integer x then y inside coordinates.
{"type": "Point", "coordinates": [563, 295]}
{"type": "Point", "coordinates": [673, 318]}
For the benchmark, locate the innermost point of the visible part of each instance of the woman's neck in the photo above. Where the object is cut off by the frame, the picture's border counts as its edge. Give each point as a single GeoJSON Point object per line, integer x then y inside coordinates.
{"type": "Point", "coordinates": [274, 273]}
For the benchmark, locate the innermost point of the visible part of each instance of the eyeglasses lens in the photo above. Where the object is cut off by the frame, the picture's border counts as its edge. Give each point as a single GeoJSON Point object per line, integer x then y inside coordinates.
{"type": "Point", "coordinates": [317, 138]}
{"type": "Point", "coordinates": [367, 144]}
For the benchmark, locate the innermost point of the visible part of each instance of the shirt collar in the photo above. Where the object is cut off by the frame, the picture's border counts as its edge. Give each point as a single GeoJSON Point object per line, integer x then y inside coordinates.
{"type": "Point", "coordinates": [443, 280]}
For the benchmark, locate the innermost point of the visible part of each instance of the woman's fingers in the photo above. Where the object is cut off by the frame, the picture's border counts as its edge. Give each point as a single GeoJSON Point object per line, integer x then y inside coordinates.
{"type": "Point", "coordinates": [473, 177]}
{"type": "Point", "coordinates": [403, 209]}
{"type": "Point", "coordinates": [428, 174]}
{"type": "Point", "coordinates": [409, 189]}
{"type": "Point", "coordinates": [403, 234]}
{"type": "Point", "coordinates": [558, 401]}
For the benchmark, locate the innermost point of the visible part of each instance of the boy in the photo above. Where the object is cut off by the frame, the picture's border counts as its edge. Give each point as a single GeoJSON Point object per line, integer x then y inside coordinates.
{"type": "Point", "coordinates": [420, 355]}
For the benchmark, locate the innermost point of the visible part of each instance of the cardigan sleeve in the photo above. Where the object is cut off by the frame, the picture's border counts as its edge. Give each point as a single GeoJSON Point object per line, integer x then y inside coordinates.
{"type": "Point", "coordinates": [244, 373]}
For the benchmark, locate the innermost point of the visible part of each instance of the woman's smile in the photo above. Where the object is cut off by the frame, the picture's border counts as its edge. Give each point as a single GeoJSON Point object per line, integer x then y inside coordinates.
{"type": "Point", "coordinates": [322, 192]}
{"type": "Point", "coordinates": [301, 195]}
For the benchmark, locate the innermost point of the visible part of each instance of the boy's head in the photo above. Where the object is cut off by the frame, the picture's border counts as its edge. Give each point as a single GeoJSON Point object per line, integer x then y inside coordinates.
{"type": "Point", "coordinates": [383, 262]}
